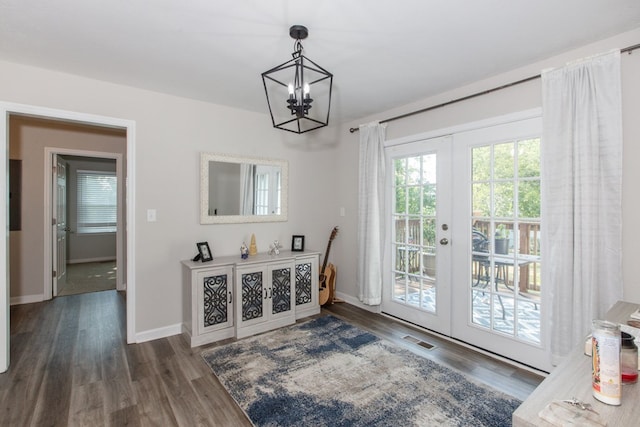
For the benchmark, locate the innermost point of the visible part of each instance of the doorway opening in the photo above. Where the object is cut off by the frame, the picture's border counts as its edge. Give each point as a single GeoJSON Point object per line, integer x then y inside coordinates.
{"type": "Point", "coordinates": [41, 245]}
{"type": "Point", "coordinates": [86, 242]}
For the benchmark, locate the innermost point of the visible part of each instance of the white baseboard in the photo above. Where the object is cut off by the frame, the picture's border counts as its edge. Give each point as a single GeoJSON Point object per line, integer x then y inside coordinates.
{"type": "Point", "coordinates": [27, 299]}
{"type": "Point", "coordinates": [85, 260]}
{"type": "Point", "coordinates": [154, 334]}
{"type": "Point", "coordinates": [355, 301]}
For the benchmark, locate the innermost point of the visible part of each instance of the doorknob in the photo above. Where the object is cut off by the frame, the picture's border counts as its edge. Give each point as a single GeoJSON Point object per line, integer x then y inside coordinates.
{"type": "Point", "coordinates": [444, 241]}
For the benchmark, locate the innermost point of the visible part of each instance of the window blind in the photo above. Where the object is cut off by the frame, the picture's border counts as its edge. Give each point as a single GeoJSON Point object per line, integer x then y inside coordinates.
{"type": "Point", "coordinates": [97, 202]}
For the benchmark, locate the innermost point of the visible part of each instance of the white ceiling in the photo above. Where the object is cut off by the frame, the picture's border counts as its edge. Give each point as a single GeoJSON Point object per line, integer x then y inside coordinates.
{"type": "Point", "coordinates": [383, 53]}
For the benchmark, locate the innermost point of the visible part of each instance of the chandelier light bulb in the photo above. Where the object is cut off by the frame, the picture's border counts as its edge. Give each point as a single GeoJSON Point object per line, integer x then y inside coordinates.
{"type": "Point", "coordinates": [306, 90]}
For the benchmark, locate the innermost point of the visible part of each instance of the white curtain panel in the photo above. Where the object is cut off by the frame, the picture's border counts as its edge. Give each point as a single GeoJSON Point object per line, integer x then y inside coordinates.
{"type": "Point", "coordinates": [371, 192]}
{"type": "Point", "coordinates": [581, 197]}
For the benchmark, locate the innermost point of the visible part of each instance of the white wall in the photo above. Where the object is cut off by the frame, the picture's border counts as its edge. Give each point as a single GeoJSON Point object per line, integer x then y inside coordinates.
{"type": "Point", "coordinates": [170, 134]}
{"type": "Point", "coordinates": [516, 98]}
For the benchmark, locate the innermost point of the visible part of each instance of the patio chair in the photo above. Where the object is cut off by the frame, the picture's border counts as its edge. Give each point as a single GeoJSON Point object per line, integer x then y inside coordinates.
{"type": "Point", "coordinates": [480, 243]}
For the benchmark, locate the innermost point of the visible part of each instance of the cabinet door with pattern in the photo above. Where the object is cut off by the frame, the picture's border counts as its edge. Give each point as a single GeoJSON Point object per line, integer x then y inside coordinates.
{"type": "Point", "coordinates": [215, 292]}
{"type": "Point", "coordinates": [306, 286]}
{"type": "Point", "coordinates": [252, 295]}
{"type": "Point", "coordinates": [281, 292]}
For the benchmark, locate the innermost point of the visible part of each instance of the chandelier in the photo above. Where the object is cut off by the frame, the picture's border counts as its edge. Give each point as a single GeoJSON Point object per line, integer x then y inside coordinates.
{"type": "Point", "coordinates": [298, 91]}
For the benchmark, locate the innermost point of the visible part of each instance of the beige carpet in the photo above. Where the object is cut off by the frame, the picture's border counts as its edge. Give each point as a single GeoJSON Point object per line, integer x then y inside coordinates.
{"type": "Point", "coordinates": [89, 277]}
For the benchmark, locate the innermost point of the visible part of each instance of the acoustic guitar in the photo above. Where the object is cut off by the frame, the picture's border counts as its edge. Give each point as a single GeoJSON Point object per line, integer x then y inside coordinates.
{"type": "Point", "coordinates": [328, 273]}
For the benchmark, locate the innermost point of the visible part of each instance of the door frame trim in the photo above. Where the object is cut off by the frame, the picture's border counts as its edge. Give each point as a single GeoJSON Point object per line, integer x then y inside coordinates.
{"type": "Point", "coordinates": [6, 110]}
{"type": "Point", "coordinates": [48, 209]}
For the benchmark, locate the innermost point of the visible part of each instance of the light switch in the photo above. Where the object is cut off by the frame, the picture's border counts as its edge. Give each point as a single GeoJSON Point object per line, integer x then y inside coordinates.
{"type": "Point", "coordinates": [342, 212]}
{"type": "Point", "coordinates": [151, 215]}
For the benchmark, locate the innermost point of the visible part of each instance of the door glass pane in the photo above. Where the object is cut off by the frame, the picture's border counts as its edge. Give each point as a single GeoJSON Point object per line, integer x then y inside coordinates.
{"type": "Point", "coordinates": [529, 197]}
{"type": "Point", "coordinates": [429, 200]}
{"type": "Point", "coordinates": [529, 158]}
{"type": "Point", "coordinates": [481, 199]}
{"type": "Point", "coordinates": [503, 164]}
{"type": "Point", "coordinates": [399, 288]}
{"type": "Point", "coordinates": [413, 171]}
{"type": "Point", "coordinates": [401, 200]}
{"type": "Point", "coordinates": [414, 199]}
{"type": "Point", "coordinates": [503, 199]}
{"type": "Point", "coordinates": [505, 282]}
{"type": "Point", "coordinates": [414, 231]}
{"type": "Point", "coordinates": [400, 166]}
{"type": "Point", "coordinates": [481, 164]}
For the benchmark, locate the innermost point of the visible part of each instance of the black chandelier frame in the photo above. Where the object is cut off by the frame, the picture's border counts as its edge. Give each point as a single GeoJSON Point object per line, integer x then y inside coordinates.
{"type": "Point", "coordinates": [301, 116]}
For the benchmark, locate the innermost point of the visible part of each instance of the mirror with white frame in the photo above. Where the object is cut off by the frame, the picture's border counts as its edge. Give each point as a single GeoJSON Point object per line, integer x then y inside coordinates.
{"type": "Point", "coordinates": [237, 189]}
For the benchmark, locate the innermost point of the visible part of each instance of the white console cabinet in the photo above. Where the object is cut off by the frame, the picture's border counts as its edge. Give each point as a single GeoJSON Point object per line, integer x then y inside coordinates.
{"type": "Point", "coordinates": [231, 297]}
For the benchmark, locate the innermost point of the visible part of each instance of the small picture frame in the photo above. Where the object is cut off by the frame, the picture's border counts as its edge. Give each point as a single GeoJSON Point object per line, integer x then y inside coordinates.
{"type": "Point", "coordinates": [297, 244]}
{"type": "Point", "coordinates": [204, 251]}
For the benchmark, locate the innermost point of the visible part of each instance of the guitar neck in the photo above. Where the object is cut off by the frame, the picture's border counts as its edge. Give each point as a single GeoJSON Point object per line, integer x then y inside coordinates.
{"type": "Point", "coordinates": [326, 257]}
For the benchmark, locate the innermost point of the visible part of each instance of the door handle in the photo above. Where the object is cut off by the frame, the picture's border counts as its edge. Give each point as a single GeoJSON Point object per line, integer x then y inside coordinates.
{"type": "Point", "coordinates": [444, 241]}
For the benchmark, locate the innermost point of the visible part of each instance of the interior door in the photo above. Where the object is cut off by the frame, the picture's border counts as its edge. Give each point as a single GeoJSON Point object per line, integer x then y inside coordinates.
{"type": "Point", "coordinates": [59, 223]}
{"type": "Point", "coordinates": [417, 285]}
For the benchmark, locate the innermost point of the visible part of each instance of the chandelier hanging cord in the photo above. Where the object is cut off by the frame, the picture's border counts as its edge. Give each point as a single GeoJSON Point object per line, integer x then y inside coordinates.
{"type": "Point", "coordinates": [297, 49]}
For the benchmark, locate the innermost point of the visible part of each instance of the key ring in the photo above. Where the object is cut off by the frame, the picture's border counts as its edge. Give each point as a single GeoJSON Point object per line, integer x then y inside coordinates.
{"type": "Point", "coordinates": [580, 404]}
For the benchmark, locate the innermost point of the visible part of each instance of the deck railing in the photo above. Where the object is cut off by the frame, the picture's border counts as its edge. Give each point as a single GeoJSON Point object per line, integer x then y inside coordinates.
{"type": "Point", "coordinates": [528, 246]}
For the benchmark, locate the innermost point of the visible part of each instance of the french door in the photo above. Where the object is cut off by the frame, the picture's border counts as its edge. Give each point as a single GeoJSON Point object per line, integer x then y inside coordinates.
{"type": "Point", "coordinates": [497, 278]}
{"type": "Point", "coordinates": [464, 238]}
{"type": "Point", "coordinates": [418, 283]}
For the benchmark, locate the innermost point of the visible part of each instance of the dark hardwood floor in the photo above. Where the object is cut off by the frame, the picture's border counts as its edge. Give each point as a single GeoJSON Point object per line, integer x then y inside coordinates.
{"type": "Point", "coordinates": [512, 380]}
{"type": "Point", "coordinates": [70, 365]}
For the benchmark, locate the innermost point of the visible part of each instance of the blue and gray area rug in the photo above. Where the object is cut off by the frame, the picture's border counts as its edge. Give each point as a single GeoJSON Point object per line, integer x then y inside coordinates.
{"type": "Point", "coordinates": [325, 372]}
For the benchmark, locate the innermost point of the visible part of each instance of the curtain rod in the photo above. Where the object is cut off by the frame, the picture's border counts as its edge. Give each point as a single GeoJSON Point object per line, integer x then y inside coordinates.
{"type": "Point", "coordinates": [474, 95]}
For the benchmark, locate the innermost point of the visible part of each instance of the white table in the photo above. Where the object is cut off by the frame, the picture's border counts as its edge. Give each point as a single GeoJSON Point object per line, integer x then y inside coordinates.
{"type": "Point", "coordinates": [572, 378]}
